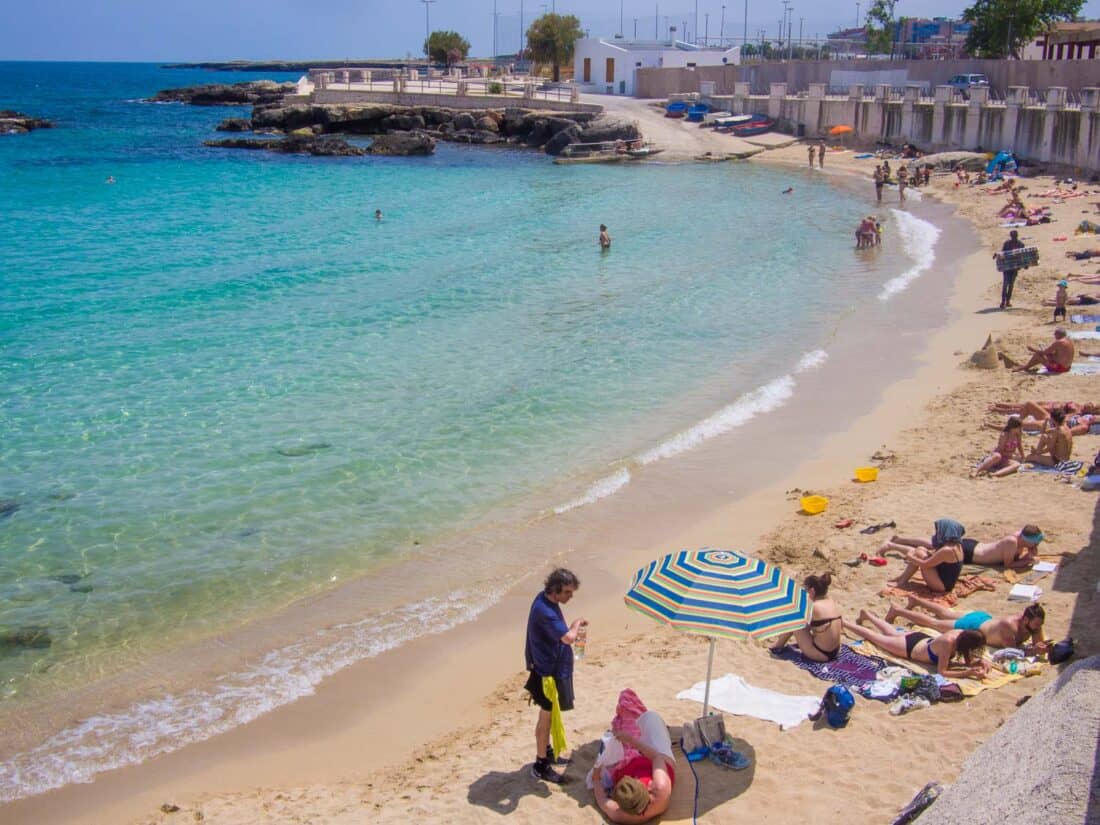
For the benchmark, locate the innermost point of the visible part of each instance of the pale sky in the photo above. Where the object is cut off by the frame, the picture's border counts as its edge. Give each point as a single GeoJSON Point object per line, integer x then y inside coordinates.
{"type": "Point", "coordinates": [196, 30]}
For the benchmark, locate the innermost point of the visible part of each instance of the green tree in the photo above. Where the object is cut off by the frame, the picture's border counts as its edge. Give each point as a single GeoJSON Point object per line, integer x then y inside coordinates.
{"type": "Point", "coordinates": [552, 39]}
{"type": "Point", "coordinates": [1001, 27]}
{"type": "Point", "coordinates": [446, 47]}
{"type": "Point", "coordinates": [881, 27]}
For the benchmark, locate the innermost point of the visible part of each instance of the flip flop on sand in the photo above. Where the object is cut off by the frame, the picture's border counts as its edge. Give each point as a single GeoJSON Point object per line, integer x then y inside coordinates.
{"type": "Point", "coordinates": [848, 522]}
{"type": "Point", "coordinates": [874, 528]}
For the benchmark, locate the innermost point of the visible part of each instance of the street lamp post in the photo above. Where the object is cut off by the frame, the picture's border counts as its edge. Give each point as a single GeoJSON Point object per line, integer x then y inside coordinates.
{"type": "Point", "coordinates": [722, 26]}
{"type": "Point", "coordinates": [635, 28]}
{"type": "Point", "coordinates": [427, 28]}
{"type": "Point", "coordinates": [857, 14]}
{"type": "Point", "coordinates": [706, 27]}
{"type": "Point", "coordinates": [745, 38]}
{"type": "Point", "coordinates": [620, 18]}
{"type": "Point", "coordinates": [695, 25]}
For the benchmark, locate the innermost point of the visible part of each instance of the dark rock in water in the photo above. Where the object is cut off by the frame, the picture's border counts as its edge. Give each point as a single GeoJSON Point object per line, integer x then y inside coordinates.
{"type": "Point", "coordinates": [293, 144]}
{"type": "Point", "coordinates": [235, 124]}
{"type": "Point", "coordinates": [17, 123]}
{"type": "Point", "coordinates": [62, 495]}
{"type": "Point", "coordinates": [487, 124]}
{"type": "Point", "coordinates": [304, 449]}
{"type": "Point", "coordinates": [558, 142]}
{"type": "Point", "coordinates": [8, 506]}
{"type": "Point", "coordinates": [403, 143]}
{"type": "Point", "coordinates": [245, 532]}
{"type": "Point", "coordinates": [81, 588]}
{"type": "Point", "coordinates": [67, 578]}
{"type": "Point", "coordinates": [464, 120]}
{"type": "Point", "coordinates": [476, 136]}
{"type": "Point", "coordinates": [227, 94]}
{"type": "Point", "coordinates": [25, 638]}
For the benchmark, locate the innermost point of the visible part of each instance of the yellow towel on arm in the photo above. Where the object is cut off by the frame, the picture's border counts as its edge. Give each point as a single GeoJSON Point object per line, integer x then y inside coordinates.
{"type": "Point", "coordinates": [557, 727]}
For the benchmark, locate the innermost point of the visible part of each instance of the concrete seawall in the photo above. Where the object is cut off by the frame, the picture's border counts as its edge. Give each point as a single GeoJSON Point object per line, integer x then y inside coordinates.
{"type": "Point", "coordinates": [1044, 127]}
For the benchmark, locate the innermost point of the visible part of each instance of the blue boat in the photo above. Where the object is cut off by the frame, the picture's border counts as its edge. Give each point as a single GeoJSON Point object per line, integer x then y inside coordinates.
{"type": "Point", "coordinates": [697, 112]}
{"type": "Point", "coordinates": [676, 109]}
{"type": "Point", "coordinates": [758, 125]}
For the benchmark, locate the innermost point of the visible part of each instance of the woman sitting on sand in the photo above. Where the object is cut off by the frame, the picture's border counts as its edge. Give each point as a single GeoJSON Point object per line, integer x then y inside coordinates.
{"type": "Point", "coordinates": [939, 566]}
{"type": "Point", "coordinates": [1009, 452]}
{"type": "Point", "coordinates": [920, 647]}
{"type": "Point", "coordinates": [1041, 410]}
{"type": "Point", "coordinates": [820, 639]}
{"type": "Point", "coordinates": [638, 786]}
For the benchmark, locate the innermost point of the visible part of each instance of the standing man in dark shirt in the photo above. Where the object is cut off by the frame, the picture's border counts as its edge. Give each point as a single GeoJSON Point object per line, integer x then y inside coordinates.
{"type": "Point", "coordinates": [549, 652]}
{"type": "Point", "coordinates": [1013, 242]}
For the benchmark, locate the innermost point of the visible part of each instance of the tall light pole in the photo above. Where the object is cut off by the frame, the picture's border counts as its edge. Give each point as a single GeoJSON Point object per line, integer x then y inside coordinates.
{"type": "Point", "coordinates": [695, 25]}
{"type": "Point", "coordinates": [621, 18]}
{"type": "Point", "coordinates": [427, 28]}
{"type": "Point", "coordinates": [656, 22]}
{"type": "Point", "coordinates": [706, 27]}
{"type": "Point", "coordinates": [857, 14]}
{"type": "Point", "coordinates": [746, 37]}
{"type": "Point", "coordinates": [522, 34]}
{"type": "Point", "coordinates": [722, 27]}
{"type": "Point", "coordinates": [635, 28]}
{"type": "Point", "coordinates": [801, 20]}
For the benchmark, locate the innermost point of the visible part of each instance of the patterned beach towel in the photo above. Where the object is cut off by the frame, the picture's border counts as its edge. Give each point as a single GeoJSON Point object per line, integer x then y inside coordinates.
{"type": "Point", "coordinates": [1064, 467]}
{"type": "Point", "coordinates": [1085, 319]}
{"type": "Point", "coordinates": [963, 588]}
{"type": "Point", "coordinates": [854, 670]}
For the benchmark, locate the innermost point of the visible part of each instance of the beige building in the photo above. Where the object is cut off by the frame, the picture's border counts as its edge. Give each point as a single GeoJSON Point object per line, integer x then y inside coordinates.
{"type": "Point", "coordinates": [1066, 41]}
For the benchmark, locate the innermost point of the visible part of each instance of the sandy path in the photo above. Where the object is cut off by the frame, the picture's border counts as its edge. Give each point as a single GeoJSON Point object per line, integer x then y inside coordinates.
{"type": "Point", "coordinates": [681, 140]}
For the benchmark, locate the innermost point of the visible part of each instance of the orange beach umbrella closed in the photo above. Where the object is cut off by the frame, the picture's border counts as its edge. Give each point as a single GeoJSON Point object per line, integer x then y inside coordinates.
{"type": "Point", "coordinates": [841, 130]}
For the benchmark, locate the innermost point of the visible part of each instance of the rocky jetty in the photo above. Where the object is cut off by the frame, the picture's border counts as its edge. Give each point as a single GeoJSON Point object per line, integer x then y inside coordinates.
{"type": "Point", "coordinates": [417, 127]}
{"type": "Point", "coordinates": [17, 123]}
{"type": "Point", "coordinates": [255, 92]}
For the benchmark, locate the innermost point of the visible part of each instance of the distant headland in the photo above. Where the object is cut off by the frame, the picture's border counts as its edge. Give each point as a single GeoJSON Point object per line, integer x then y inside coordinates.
{"type": "Point", "coordinates": [286, 65]}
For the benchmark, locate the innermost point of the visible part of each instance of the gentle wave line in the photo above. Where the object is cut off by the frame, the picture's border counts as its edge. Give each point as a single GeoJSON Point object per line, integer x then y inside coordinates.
{"type": "Point", "coordinates": [606, 486]}
{"type": "Point", "coordinates": [150, 728]}
{"type": "Point", "coordinates": [918, 238]}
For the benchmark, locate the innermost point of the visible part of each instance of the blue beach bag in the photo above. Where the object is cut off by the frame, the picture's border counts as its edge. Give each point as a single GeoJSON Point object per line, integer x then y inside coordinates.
{"type": "Point", "coordinates": [837, 706]}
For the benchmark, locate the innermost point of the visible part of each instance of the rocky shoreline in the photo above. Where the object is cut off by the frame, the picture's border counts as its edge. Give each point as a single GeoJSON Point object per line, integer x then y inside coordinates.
{"type": "Point", "coordinates": [550, 131]}
{"type": "Point", "coordinates": [17, 123]}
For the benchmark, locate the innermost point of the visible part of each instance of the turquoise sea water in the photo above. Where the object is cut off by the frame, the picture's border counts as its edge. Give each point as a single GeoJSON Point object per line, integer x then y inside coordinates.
{"type": "Point", "coordinates": [226, 387]}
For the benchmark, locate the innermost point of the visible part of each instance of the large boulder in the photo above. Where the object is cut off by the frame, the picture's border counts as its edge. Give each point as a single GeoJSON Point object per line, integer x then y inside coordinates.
{"type": "Point", "coordinates": [571, 134]}
{"type": "Point", "coordinates": [610, 129]}
{"type": "Point", "coordinates": [367, 119]}
{"type": "Point", "coordinates": [512, 121]}
{"type": "Point", "coordinates": [436, 117]}
{"type": "Point", "coordinates": [297, 144]}
{"type": "Point", "coordinates": [402, 143]}
{"type": "Point", "coordinates": [486, 123]}
{"type": "Point", "coordinates": [227, 94]}
{"type": "Point", "coordinates": [286, 118]}
{"type": "Point", "coordinates": [464, 121]}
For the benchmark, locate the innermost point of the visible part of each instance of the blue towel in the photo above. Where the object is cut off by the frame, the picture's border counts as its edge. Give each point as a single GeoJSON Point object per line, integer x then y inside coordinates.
{"type": "Point", "coordinates": [1085, 319]}
{"type": "Point", "coordinates": [1062, 467]}
{"type": "Point", "coordinates": [864, 156]}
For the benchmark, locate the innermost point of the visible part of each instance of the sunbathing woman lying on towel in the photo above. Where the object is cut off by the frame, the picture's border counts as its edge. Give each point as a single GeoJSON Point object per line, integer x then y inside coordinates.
{"type": "Point", "coordinates": [920, 647]}
{"type": "Point", "coordinates": [634, 772]}
{"type": "Point", "coordinates": [1042, 409]}
{"type": "Point", "coordinates": [820, 639]}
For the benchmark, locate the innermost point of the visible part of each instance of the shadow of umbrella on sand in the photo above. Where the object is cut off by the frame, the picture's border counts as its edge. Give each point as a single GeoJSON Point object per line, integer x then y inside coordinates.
{"type": "Point", "coordinates": [719, 594]}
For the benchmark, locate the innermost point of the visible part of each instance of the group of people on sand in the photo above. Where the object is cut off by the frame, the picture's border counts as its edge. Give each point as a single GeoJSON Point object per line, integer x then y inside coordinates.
{"type": "Point", "coordinates": [819, 150]}
{"type": "Point", "coordinates": [637, 787]}
{"type": "Point", "coordinates": [1055, 429]}
{"type": "Point", "coordinates": [905, 177]}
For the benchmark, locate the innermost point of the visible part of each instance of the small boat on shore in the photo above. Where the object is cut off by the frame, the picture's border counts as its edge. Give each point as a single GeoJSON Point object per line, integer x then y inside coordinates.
{"type": "Point", "coordinates": [710, 117]}
{"type": "Point", "coordinates": [645, 151]}
{"type": "Point", "coordinates": [610, 151]}
{"type": "Point", "coordinates": [698, 112]}
{"type": "Point", "coordinates": [756, 125]}
{"type": "Point", "coordinates": [676, 109]}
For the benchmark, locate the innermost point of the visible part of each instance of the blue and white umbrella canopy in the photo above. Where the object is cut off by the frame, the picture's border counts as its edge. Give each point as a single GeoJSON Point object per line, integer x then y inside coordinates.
{"type": "Point", "coordinates": [720, 593]}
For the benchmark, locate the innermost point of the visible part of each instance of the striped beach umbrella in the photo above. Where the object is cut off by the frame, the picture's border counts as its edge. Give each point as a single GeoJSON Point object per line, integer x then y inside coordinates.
{"type": "Point", "coordinates": [719, 594]}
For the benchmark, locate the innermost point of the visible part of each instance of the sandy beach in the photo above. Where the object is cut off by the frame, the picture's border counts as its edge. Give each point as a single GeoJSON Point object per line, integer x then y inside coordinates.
{"type": "Point", "coordinates": [440, 730]}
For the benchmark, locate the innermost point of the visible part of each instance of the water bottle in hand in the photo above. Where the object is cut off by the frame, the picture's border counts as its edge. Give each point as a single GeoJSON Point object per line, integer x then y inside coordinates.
{"type": "Point", "coordinates": [580, 642]}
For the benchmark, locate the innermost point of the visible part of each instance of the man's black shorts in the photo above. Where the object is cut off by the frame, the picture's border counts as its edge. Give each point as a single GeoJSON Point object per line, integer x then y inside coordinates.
{"type": "Point", "coordinates": [565, 692]}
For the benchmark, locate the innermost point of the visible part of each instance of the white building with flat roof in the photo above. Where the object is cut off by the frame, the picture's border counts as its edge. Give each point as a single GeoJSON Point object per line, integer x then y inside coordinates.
{"type": "Point", "coordinates": [607, 65]}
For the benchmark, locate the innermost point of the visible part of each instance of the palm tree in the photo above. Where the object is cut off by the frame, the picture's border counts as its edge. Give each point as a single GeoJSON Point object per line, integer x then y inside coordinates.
{"type": "Point", "coordinates": [552, 39]}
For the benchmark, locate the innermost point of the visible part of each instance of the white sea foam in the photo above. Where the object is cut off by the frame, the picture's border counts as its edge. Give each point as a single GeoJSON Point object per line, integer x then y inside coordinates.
{"type": "Point", "coordinates": [811, 360]}
{"type": "Point", "coordinates": [918, 239]}
{"type": "Point", "coordinates": [763, 399]}
{"type": "Point", "coordinates": [158, 726]}
{"type": "Point", "coordinates": [606, 486]}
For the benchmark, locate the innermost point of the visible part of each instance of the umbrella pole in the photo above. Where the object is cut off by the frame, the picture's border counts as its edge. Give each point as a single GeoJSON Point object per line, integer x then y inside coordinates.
{"type": "Point", "coordinates": [710, 664]}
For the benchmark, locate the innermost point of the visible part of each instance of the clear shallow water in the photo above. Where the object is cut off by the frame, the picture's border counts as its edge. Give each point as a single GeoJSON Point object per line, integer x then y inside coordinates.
{"type": "Point", "coordinates": [226, 387]}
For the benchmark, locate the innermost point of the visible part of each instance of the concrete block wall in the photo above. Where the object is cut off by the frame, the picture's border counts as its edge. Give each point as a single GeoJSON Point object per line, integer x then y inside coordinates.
{"type": "Point", "coordinates": [1056, 131]}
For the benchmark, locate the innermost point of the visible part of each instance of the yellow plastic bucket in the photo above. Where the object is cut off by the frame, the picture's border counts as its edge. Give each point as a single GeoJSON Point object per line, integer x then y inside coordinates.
{"type": "Point", "coordinates": [866, 473]}
{"type": "Point", "coordinates": [814, 504]}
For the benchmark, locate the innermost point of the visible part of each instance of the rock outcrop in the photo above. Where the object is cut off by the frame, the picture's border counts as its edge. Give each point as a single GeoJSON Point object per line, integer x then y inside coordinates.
{"type": "Point", "coordinates": [227, 94]}
{"type": "Point", "coordinates": [17, 123]}
{"type": "Point", "coordinates": [326, 146]}
{"type": "Point", "coordinates": [235, 124]}
{"type": "Point", "coordinates": [403, 144]}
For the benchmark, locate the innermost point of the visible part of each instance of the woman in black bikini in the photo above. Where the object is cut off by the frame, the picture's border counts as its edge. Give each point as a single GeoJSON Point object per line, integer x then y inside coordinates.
{"type": "Point", "coordinates": [940, 568]}
{"type": "Point", "coordinates": [820, 639]}
{"type": "Point", "coordinates": [920, 647]}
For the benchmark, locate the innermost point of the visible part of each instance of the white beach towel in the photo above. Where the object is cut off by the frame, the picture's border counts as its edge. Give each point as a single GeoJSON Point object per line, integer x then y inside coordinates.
{"type": "Point", "coordinates": [1084, 334]}
{"type": "Point", "coordinates": [654, 734]}
{"type": "Point", "coordinates": [1025, 593]}
{"type": "Point", "coordinates": [734, 695]}
{"type": "Point", "coordinates": [1078, 368]}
